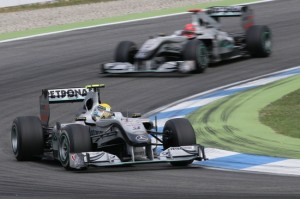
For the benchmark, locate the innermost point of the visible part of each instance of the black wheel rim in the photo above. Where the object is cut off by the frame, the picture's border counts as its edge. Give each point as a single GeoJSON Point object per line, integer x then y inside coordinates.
{"type": "Point", "coordinates": [167, 138]}
{"type": "Point", "coordinates": [202, 58]}
{"type": "Point", "coordinates": [64, 149]}
{"type": "Point", "coordinates": [267, 42]}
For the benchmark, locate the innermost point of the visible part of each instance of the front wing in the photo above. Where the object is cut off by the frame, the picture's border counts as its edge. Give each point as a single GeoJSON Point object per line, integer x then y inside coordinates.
{"type": "Point", "coordinates": [148, 66]}
{"type": "Point", "coordinates": [101, 158]}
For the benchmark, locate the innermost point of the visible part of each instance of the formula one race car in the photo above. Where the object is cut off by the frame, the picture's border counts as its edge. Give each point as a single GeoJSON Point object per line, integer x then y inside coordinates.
{"type": "Point", "coordinates": [100, 137]}
{"type": "Point", "coordinates": [192, 49]}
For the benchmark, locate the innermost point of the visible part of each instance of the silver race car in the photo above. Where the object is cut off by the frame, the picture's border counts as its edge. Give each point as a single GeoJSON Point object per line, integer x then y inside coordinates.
{"type": "Point", "coordinates": [192, 49]}
{"type": "Point", "coordinates": [100, 137]}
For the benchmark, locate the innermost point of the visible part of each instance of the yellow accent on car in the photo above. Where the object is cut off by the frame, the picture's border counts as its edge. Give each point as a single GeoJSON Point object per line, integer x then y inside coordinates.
{"type": "Point", "coordinates": [95, 86]}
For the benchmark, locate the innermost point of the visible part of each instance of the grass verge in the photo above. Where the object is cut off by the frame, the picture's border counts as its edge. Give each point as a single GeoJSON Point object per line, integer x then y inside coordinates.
{"type": "Point", "coordinates": [58, 3]}
{"type": "Point", "coordinates": [233, 123]}
{"type": "Point", "coordinates": [121, 18]}
{"type": "Point", "coordinates": [283, 115]}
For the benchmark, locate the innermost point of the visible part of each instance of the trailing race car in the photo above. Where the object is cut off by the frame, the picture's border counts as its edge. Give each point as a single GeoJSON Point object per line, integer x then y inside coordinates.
{"type": "Point", "coordinates": [100, 137]}
{"type": "Point", "coordinates": [192, 49]}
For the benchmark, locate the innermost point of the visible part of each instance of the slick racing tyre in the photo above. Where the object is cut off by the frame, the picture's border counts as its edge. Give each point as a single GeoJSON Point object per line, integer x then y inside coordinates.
{"type": "Point", "coordinates": [195, 50]}
{"type": "Point", "coordinates": [125, 52]}
{"type": "Point", "coordinates": [178, 132]}
{"type": "Point", "coordinates": [75, 138]}
{"type": "Point", "coordinates": [259, 41]}
{"type": "Point", "coordinates": [27, 138]}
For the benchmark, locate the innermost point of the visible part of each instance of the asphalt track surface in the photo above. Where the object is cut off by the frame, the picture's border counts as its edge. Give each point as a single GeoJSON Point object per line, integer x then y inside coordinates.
{"type": "Point", "coordinates": [71, 59]}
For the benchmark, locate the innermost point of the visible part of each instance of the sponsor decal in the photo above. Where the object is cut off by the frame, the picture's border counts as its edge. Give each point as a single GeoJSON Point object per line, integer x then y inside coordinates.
{"type": "Point", "coordinates": [73, 156]}
{"type": "Point", "coordinates": [141, 138]}
{"type": "Point", "coordinates": [44, 112]}
{"type": "Point", "coordinates": [67, 93]}
{"type": "Point", "coordinates": [136, 127]}
{"type": "Point", "coordinates": [175, 148]}
{"type": "Point", "coordinates": [233, 9]}
{"type": "Point", "coordinates": [133, 124]}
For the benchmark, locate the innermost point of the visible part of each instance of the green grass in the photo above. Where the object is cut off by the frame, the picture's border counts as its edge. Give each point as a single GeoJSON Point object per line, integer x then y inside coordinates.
{"type": "Point", "coordinates": [54, 4]}
{"type": "Point", "coordinates": [283, 115]}
{"type": "Point", "coordinates": [233, 123]}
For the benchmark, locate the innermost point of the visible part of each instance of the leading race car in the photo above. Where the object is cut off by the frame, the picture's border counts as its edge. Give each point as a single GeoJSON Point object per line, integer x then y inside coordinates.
{"type": "Point", "coordinates": [192, 49]}
{"type": "Point", "coordinates": [100, 137]}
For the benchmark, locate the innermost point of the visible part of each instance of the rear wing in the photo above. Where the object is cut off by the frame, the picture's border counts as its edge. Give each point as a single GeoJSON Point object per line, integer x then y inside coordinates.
{"type": "Point", "coordinates": [226, 11]}
{"type": "Point", "coordinates": [65, 95]}
{"type": "Point", "coordinates": [243, 11]}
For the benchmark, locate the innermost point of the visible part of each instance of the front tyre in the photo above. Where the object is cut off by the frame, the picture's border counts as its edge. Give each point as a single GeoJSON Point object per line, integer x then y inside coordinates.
{"type": "Point", "coordinates": [27, 138]}
{"type": "Point", "coordinates": [259, 41]}
{"type": "Point", "coordinates": [125, 52]}
{"type": "Point", "coordinates": [178, 132]}
{"type": "Point", "coordinates": [195, 50]}
{"type": "Point", "coordinates": [74, 138]}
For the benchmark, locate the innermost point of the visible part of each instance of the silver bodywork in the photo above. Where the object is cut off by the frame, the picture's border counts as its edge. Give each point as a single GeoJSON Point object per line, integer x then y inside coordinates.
{"type": "Point", "coordinates": [220, 45]}
{"type": "Point", "coordinates": [137, 133]}
{"type": "Point", "coordinates": [92, 140]}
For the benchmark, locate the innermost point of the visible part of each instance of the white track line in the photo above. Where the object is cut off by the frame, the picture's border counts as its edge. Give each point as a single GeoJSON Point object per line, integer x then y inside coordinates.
{"type": "Point", "coordinates": [114, 23]}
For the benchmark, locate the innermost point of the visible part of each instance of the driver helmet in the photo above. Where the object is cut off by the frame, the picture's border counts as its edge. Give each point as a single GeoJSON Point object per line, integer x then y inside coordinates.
{"type": "Point", "coordinates": [189, 31]}
{"type": "Point", "coordinates": [102, 111]}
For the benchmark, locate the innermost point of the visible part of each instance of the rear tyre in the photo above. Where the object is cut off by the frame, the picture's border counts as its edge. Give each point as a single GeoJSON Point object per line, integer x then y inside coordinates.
{"type": "Point", "coordinates": [74, 138]}
{"type": "Point", "coordinates": [259, 41]}
{"type": "Point", "coordinates": [27, 138]}
{"type": "Point", "coordinates": [195, 50]}
{"type": "Point", "coordinates": [125, 52]}
{"type": "Point", "coordinates": [178, 132]}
